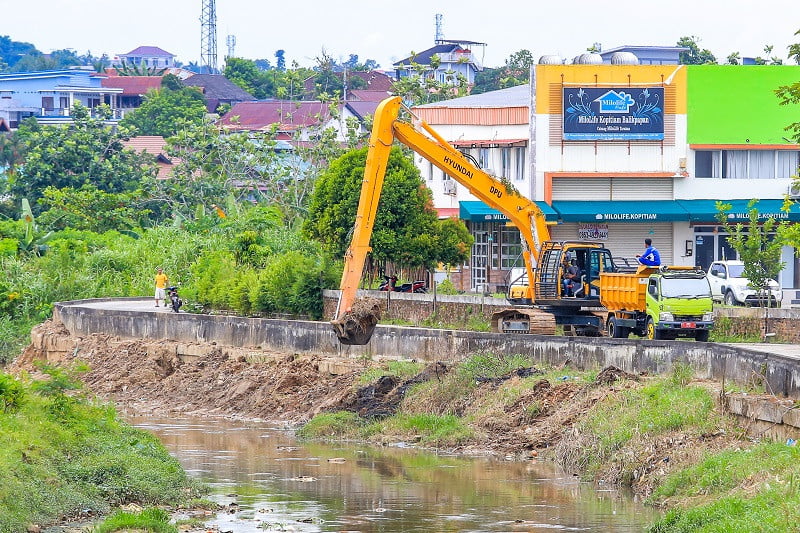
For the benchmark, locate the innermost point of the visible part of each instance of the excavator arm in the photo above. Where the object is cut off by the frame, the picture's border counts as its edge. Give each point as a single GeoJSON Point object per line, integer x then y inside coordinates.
{"type": "Point", "coordinates": [355, 326]}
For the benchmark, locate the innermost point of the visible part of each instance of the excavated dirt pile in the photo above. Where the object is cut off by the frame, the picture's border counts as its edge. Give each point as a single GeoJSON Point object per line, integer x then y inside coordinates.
{"type": "Point", "coordinates": [148, 376]}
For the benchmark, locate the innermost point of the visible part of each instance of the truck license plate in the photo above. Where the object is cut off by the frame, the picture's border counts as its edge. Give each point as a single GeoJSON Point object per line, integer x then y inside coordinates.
{"type": "Point", "coordinates": [688, 325]}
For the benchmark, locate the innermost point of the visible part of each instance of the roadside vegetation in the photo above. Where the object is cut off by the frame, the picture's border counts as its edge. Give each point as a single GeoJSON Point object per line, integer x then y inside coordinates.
{"type": "Point", "coordinates": [63, 455]}
{"type": "Point", "coordinates": [665, 437]}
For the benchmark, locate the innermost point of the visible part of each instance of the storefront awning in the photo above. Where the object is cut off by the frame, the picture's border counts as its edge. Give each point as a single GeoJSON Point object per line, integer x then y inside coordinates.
{"type": "Point", "coordinates": [621, 211]}
{"type": "Point", "coordinates": [475, 211]}
{"type": "Point", "coordinates": [706, 210]}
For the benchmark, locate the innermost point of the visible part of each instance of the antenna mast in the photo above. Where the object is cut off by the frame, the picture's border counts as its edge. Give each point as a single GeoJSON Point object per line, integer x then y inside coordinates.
{"type": "Point", "coordinates": [439, 34]}
{"type": "Point", "coordinates": [208, 36]}
{"type": "Point", "coordinates": [231, 41]}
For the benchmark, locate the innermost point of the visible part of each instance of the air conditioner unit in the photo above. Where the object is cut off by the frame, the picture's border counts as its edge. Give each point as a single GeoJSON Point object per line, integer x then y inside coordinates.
{"type": "Point", "coordinates": [794, 190]}
{"type": "Point", "coordinates": [449, 187]}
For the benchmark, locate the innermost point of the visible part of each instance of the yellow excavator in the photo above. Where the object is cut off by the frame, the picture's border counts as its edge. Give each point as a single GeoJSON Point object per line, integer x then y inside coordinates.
{"type": "Point", "coordinates": [539, 298]}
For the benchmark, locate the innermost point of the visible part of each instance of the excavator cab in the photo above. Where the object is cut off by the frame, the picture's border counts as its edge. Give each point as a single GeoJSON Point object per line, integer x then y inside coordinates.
{"type": "Point", "coordinates": [590, 259]}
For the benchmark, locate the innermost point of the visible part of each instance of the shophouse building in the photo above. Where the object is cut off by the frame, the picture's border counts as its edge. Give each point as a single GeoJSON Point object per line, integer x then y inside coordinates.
{"type": "Point", "coordinates": [620, 153]}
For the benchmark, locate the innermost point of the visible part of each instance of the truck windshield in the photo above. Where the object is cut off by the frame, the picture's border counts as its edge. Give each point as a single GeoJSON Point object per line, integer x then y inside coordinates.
{"type": "Point", "coordinates": [735, 271]}
{"type": "Point", "coordinates": [685, 288]}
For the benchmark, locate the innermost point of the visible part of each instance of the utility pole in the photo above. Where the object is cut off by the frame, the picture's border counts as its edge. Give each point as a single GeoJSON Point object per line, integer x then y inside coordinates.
{"type": "Point", "coordinates": [208, 36]}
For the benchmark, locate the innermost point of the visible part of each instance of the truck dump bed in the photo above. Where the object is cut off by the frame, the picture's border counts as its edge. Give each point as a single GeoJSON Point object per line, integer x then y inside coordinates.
{"type": "Point", "coordinates": [625, 291]}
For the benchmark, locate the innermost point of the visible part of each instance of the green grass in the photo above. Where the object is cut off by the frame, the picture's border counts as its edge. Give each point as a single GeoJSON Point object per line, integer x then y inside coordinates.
{"type": "Point", "coordinates": [427, 429]}
{"type": "Point", "coordinates": [330, 425]}
{"type": "Point", "coordinates": [400, 369]}
{"type": "Point", "coordinates": [744, 490]}
{"type": "Point", "coordinates": [61, 453]}
{"type": "Point", "coordinates": [153, 519]}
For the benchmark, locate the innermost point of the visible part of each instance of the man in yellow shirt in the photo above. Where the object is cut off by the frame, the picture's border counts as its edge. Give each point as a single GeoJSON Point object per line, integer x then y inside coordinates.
{"type": "Point", "coordinates": [161, 285]}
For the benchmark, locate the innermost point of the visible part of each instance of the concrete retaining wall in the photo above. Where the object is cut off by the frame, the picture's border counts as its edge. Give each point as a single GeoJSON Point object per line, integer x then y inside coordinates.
{"type": "Point", "coordinates": [779, 375]}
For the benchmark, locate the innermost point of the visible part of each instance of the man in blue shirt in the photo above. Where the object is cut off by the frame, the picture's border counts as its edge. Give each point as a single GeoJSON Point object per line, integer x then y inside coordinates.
{"type": "Point", "coordinates": [650, 256]}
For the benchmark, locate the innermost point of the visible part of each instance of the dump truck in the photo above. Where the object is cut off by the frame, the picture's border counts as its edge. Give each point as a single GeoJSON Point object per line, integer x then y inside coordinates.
{"type": "Point", "coordinates": [664, 302]}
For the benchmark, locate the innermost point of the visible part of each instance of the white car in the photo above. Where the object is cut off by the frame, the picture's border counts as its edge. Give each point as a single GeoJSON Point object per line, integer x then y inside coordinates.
{"type": "Point", "coordinates": [729, 286]}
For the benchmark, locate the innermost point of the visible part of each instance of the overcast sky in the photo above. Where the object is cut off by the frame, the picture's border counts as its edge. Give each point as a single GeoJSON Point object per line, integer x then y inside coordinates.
{"type": "Point", "coordinates": [387, 31]}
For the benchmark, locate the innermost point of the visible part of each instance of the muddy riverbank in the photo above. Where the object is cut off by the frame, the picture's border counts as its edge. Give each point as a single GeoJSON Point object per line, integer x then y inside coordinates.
{"type": "Point", "coordinates": [148, 377]}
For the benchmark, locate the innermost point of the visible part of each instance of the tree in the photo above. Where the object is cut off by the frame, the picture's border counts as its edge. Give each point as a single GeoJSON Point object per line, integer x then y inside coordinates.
{"type": "Point", "coordinates": [794, 50]}
{"type": "Point", "coordinates": [694, 56]}
{"type": "Point", "coordinates": [768, 60]}
{"type": "Point", "coordinates": [790, 94]}
{"type": "Point", "coordinates": [758, 246]}
{"type": "Point", "coordinates": [420, 86]}
{"type": "Point", "coordinates": [406, 230]}
{"type": "Point", "coordinates": [515, 72]}
{"type": "Point", "coordinates": [86, 152]}
{"type": "Point", "coordinates": [12, 51]}
{"type": "Point", "coordinates": [126, 69]}
{"type": "Point", "coordinates": [733, 59]}
{"type": "Point", "coordinates": [89, 208]}
{"type": "Point", "coordinates": [165, 111]}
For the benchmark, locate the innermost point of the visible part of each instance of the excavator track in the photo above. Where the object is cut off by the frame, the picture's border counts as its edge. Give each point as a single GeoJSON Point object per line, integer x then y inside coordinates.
{"type": "Point", "coordinates": [531, 320]}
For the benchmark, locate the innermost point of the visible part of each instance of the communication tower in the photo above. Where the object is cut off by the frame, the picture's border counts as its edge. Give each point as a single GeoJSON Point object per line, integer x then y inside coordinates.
{"type": "Point", "coordinates": [231, 42]}
{"type": "Point", "coordinates": [439, 33]}
{"type": "Point", "coordinates": [208, 36]}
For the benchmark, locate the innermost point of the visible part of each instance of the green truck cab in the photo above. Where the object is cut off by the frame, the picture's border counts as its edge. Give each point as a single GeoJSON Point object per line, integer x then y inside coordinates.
{"type": "Point", "coordinates": [658, 303]}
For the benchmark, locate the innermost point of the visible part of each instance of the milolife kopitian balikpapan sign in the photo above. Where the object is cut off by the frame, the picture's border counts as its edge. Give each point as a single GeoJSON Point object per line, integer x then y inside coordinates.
{"type": "Point", "coordinates": [613, 113]}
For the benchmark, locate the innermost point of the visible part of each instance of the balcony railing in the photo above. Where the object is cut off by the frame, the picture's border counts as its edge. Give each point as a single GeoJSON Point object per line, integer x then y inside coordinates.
{"type": "Point", "coordinates": [65, 112]}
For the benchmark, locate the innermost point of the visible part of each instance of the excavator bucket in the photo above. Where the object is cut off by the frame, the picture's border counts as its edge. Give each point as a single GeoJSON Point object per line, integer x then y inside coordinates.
{"type": "Point", "coordinates": [355, 327]}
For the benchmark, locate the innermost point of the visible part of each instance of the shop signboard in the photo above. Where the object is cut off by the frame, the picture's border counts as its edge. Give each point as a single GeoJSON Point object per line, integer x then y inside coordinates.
{"type": "Point", "coordinates": [593, 232]}
{"type": "Point", "coordinates": [613, 113]}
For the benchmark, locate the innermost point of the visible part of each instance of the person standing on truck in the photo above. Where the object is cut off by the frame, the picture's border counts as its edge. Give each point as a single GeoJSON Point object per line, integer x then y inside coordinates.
{"type": "Point", "coordinates": [650, 257]}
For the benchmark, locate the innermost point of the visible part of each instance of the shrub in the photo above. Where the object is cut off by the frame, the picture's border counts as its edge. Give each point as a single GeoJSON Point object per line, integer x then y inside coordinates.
{"type": "Point", "coordinates": [12, 394]}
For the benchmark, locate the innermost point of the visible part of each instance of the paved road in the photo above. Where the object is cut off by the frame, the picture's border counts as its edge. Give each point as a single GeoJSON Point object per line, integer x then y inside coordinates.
{"type": "Point", "coordinates": [146, 305]}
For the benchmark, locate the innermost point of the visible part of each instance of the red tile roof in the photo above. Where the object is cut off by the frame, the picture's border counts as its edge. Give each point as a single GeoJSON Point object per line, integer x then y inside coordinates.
{"type": "Point", "coordinates": [155, 146]}
{"type": "Point", "coordinates": [363, 95]}
{"type": "Point", "coordinates": [262, 115]}
{"type": "Point", "coordinates": [133, 85]}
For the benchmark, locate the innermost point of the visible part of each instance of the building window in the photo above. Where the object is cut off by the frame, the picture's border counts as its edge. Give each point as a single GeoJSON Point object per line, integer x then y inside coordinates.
{"type": "Point", "coordinates": [505, 162]}
{"type": "Point", "coordinates": [520, 164]}
{"type": "Point", "coordinates": [741, 164]}
{"type": "Point", "coordinates": [483, 158]}
{"type": "Point", "coordinates": [430, 171]}
{"type": "Point", "coordinates": [511, 248]}
{"type": "Point", "coordinates": [47, 103]}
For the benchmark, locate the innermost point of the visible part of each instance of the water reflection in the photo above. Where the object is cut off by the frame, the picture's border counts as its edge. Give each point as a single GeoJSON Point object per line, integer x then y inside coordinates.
{"type": "Point", "coordinates": [280, 484]}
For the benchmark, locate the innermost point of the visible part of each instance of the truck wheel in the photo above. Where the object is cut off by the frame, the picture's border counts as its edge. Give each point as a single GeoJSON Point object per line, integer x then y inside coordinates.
{"type": "Point", "coordinates": [729, 298]}
{"type": "Point", "coordinates": [701, 335]}
{"type": "Point", "coordinates": [615, 331]}
{"type": "Point", "coordinates": [652, 332]}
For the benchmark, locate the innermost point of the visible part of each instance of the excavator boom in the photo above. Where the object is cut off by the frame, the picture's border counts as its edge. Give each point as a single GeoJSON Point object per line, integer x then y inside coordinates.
{"type": "Point", "coordinates": [354, 326]}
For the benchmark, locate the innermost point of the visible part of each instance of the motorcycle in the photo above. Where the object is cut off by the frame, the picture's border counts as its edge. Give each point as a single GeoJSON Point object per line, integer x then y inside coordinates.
{"type": "Point", "coordinates": [389, 283]}
{"type": "Point", "coordinates": [174, 300]}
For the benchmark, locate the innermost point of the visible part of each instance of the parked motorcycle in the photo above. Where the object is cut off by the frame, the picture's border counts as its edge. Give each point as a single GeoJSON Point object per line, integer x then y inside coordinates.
{"type": "Point", "coordinates": [389, 283]}
{"type": "Point", "coordinates": [174, 300]}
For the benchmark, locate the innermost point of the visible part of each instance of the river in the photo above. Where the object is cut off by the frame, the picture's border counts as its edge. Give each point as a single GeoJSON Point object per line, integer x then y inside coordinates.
{"type": "Point", "coordinates": [277, 483]}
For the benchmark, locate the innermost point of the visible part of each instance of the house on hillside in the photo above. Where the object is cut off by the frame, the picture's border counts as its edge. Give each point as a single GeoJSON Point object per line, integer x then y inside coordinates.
{"type": "Point", "coordinates": [147, 57]}
{"type": "Point", "coordinates": [50, 95]}
{"type": "Point", "coordinates": [371, 80]}
{"type": "Point", "coordinates": [133, 88]}
{"type": "Point", "coordinates": [218, 90]}
{"type": "Point", "coordinates": [295, 120]}
{"type": "Point", "coordinates": [455, 57]}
